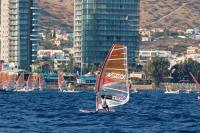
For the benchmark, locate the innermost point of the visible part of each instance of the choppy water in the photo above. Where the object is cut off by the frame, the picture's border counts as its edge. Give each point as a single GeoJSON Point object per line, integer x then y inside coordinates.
{"type": "Point", "coordinates": [53, 112]}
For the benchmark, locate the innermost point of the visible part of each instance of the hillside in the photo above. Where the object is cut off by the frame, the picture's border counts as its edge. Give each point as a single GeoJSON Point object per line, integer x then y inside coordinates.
{"type": "Point", "coordinates": [154, 13]}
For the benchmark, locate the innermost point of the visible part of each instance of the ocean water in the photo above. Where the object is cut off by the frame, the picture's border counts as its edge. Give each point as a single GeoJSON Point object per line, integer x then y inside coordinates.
{"type": "Point", "coordinates": [54, 112]}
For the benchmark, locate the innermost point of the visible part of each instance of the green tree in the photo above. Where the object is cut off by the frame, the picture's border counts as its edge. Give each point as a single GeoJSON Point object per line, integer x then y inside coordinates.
{"type": "Point", "coordinates": [181, 71]}
{"type": "Point", "coordinates": [63, 67]}
{"type": "Point", "coordinates": [54, 34]}
{"type": "Point", "coordinates": [157, 69]}
{"type": "Point", "coordinates": [49, 45]}
{"type": "Point", "coordinates": [92, 67]}
{"type": "Point", "coordinates": [70, 66]}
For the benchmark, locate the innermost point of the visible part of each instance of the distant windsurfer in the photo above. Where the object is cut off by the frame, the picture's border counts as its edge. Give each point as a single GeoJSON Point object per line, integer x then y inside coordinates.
{"type": "Point", "coordinates": [104, 103]}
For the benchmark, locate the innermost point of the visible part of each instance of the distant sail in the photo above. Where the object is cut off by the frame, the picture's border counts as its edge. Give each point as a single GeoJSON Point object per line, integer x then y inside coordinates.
{"type": "Point", "coordinates": [35, 81]}
{"type": "Point", "coordinates": [20, 82]}
{"type": "Point", "coordinates": [4, 77]}
{"type": "Point", "coordinates": [30, 82]}
{"type": "Point", "coordinates": [61, 81]}
{"type": "Point", "coordinates": [42, 83]}
{"type": "Point", "coordinates": [1, 85]}
{"type": "Point", "coordinates": [11, 82]}
{"type": "Point", "coordinates": [113, 78]}
{"type": "Point", "coordinates": [195, 80]}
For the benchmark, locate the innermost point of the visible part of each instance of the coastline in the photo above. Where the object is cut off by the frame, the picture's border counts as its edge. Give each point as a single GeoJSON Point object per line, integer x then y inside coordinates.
{"type": "Point", "coordinates": [162, 86]}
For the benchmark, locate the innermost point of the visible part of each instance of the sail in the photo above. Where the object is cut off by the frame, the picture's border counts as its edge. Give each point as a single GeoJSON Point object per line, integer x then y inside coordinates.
{"type": "Point", "coordinates": [42, 83]}
{"type": "Point", "coordinates": [195, 80]}
{"type": "Point", "coordinates": [4, 77]}
{"type": "Point", "coordinates": [1, 85]}
{"type": "Point", "coordinates": [11, 81]}
{"type": "Point", "coordinates": [30, 82]}
{"type": "Point", "coordinates": [20, 82]}
{"type": "Point", "coordinates": [61, 81]}
{"type": "Point", "coordinates": [113, 78]}
{"type": "Point", "coordinates": [35, 81]}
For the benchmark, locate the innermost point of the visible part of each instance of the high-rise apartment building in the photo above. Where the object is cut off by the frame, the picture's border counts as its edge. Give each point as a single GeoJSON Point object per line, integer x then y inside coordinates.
{"type": "Point", "coordinates": [98, 24]}
{"type": "Point", "coordinates": [19, 32]}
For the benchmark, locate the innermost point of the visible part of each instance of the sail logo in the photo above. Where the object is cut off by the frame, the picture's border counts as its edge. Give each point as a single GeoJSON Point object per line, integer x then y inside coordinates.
{"type": "Point", "coordinates": [118, 98]}
{"type": "Point", "coordinates": [116, 76]}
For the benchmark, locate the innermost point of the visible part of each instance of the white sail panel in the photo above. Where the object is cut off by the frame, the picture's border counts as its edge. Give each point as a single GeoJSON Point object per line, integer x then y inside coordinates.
{"type": "Point", "coordinates": [20, 82]}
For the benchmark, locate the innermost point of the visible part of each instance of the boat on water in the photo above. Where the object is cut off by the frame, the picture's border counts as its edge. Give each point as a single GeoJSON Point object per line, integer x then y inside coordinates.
{"type": "Point", "coordinates": [168, 90]}
{"type": "Point", "coordinates": [189, 91]}
{"type": "Point", "coordinates": [62, 84]}
{"type": "Point", "coordinates": [172, 92]}
{"type": "Point", "coordinates": [71, 88]}
{"type": "Point", "coordinates": [113, 81]}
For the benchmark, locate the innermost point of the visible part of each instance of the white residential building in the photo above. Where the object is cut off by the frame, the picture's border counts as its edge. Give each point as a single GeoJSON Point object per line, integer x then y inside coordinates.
{"type": "Point", "coordinates": [146, 55]}
{"type": "Point", "coordinates": [193, 53]}
{"type": "Point", "coordinates": [19, 32]}
{"type": "Point", "coordinates": [193, 50]}
{"type": "Point", "coordinates": [5, 29]}
{"type": "Point", "coordinates": [58, 57]}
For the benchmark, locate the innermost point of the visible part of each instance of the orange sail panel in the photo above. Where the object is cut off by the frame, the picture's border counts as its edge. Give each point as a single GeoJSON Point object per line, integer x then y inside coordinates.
{"type": "Point", "coordinates": [1, 80]}
{"type": "Point", "coordinates": [4, 77]}
{"type": "Point", "coordinates": [61, 81]}
{"type": "Point", "coordinates": [113, 78]}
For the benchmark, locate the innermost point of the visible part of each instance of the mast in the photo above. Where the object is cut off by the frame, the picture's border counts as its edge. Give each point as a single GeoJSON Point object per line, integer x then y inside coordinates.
{"type": "Point", "coordinates": [195, 80]}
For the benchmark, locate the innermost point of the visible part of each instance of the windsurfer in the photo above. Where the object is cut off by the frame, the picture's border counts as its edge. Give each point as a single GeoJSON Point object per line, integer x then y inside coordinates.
{"type": "Point", "coordinates": [104, 103]}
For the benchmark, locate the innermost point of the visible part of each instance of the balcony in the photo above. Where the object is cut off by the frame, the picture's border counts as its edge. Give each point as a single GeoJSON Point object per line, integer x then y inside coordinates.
{"type": "Point", "coordinates": [13, 12]}
{"type": "Point", "coordinates": [78, 60]}
{"type": "Point", "coordinates": [13, 29]}
{"type": "Point", "coordinates": [36, 29]}
{"type": "Point", "coordinates": [35, 39]}
{"type": "Point", "coordinates": [13, 6]}
{"type": "Point", "coordinates": [36, 14]}
{"type": "Point", "coordinates": [13, 38]}
{"type": "Point", "coordinates": [35, 8]}
{"type": "Point", "coordinates": [35, 25]}
{"type": "Point", "coordinates": [35, 35]}
{"type": "Point", "coordinates": [13, 23]}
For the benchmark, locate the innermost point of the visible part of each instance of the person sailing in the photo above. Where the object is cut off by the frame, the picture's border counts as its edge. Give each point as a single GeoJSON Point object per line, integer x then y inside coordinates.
{"type": "Point", "coordinates": [104, 104]}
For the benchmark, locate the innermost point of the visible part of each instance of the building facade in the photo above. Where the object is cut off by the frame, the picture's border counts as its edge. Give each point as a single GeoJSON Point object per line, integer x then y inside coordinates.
{"type": "Point", "coordinates": [146, 55]}
{"type": "Point", "coordinates": [19, 32]}
{"type": "Point", "coordinates": [98, 24]}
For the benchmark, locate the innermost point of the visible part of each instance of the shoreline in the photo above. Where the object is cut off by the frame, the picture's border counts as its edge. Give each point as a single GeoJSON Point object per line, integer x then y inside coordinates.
{"type": "Point", "coordinates": [162, 86]}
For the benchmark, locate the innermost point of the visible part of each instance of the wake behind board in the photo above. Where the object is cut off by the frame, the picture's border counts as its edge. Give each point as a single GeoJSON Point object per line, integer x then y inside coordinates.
{"type": "Point", "coordinates": [69, 91]}
{"type": "Point", "coordinates": [87, 111]}
{"type": "Point", "coordinates": [172, 92]}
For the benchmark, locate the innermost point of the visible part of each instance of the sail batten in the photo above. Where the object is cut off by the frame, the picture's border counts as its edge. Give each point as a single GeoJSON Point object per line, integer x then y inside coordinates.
{"type": "Point", "coordinates": [118, 49]}
{"type": "Point", "coordinates": [115, 69]}
{"type": "Point", "coordinates": [116, 89]}
{"type": "Point", "coordinates": [113, 79]}
{"type": "Point", "coordinates": [116, 59]}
